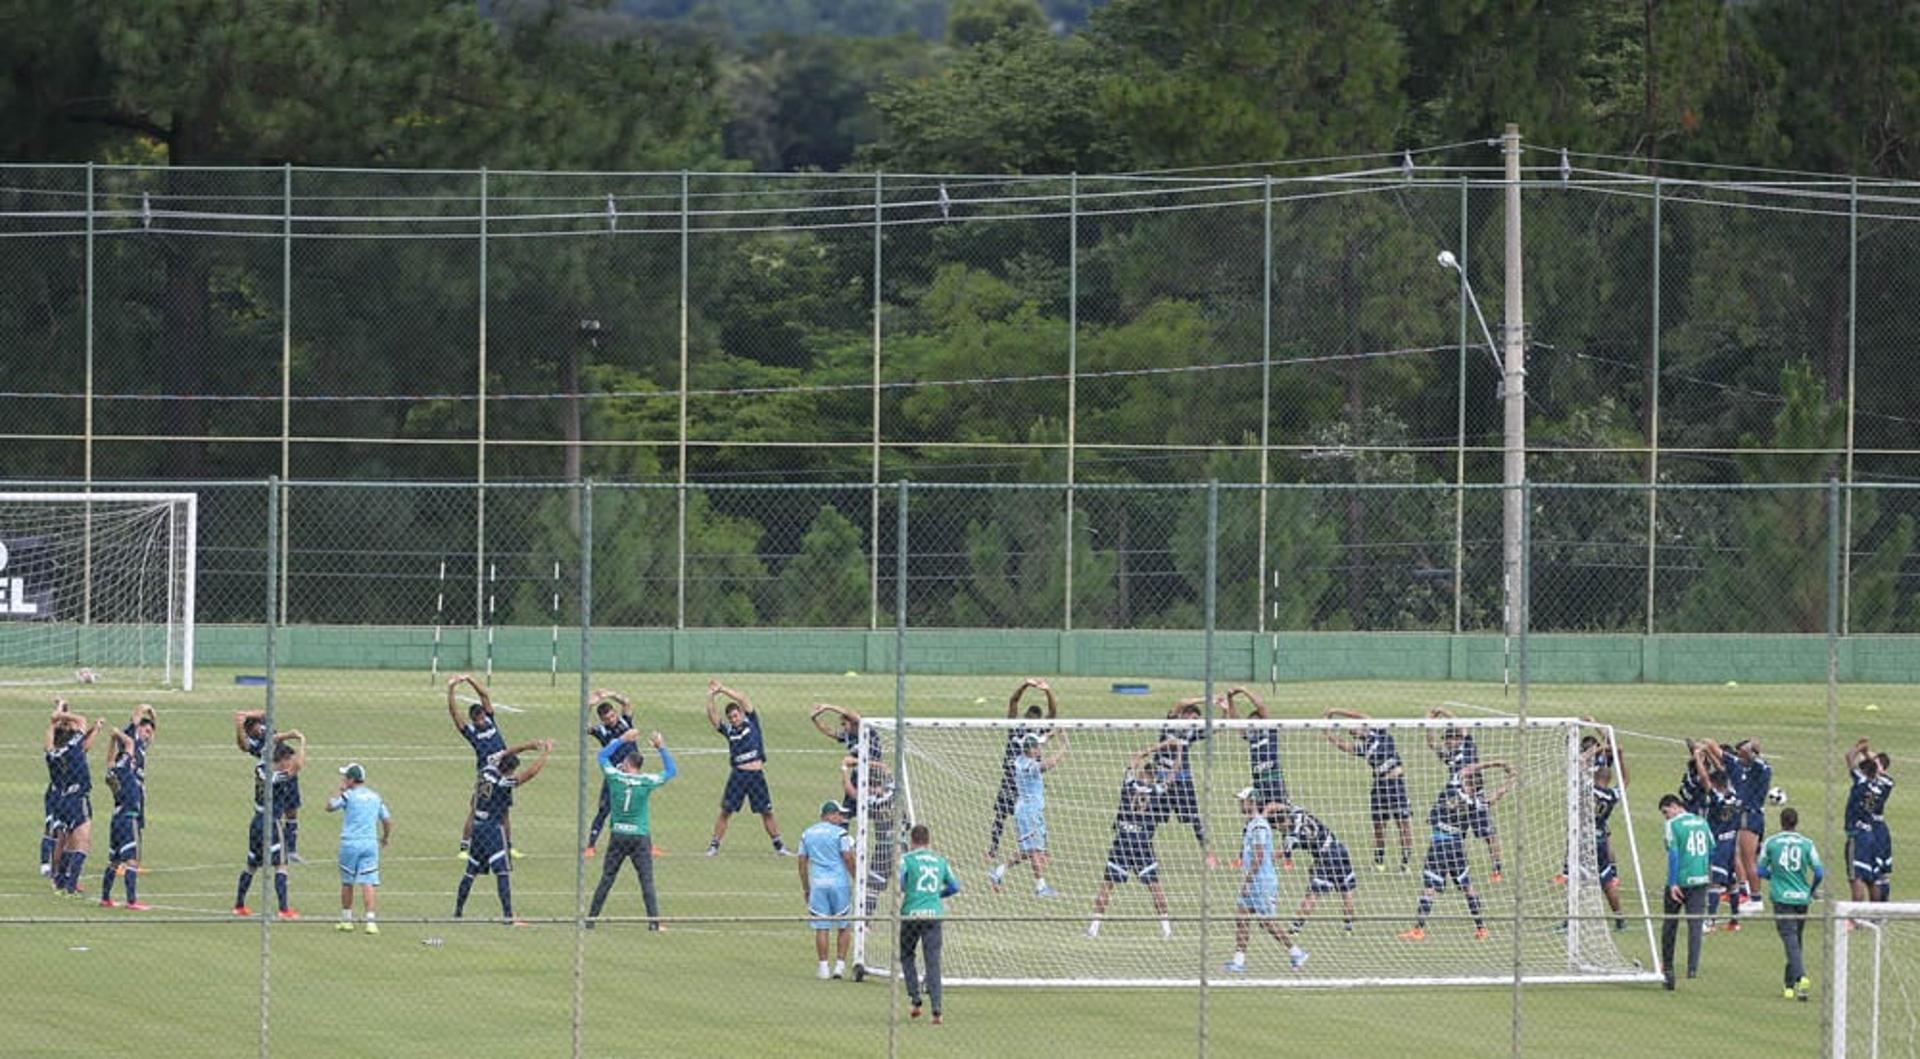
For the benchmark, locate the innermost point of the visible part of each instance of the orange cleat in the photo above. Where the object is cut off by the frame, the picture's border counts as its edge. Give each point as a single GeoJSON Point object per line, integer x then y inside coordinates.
{"type": "Point", "coordinates": [588, 853]}
{"type": "Point", "coordinates": [1416, 934]}
{"type": "Point", "coordinates": [287, 913]}
{"type": "Point", "coordinates": [1479, 933]}
{"type": "Point", "coordinates": [242, 910]}
{"type": "Point", "coordinates": [135, 906]}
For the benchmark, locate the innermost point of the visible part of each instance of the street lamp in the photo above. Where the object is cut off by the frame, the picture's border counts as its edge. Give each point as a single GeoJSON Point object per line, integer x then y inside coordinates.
{"type": "Point", "coordinates": [1448, 261]}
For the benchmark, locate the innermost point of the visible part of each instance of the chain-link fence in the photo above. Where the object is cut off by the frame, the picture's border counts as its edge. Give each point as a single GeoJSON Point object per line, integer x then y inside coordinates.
{"type": "Point", "coordinates": [344, 615]}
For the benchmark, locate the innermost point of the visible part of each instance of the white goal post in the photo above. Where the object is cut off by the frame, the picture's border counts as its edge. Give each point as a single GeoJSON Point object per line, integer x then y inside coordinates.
{"type": "Point", "coordinates": [97, 587]}
{"type": "Point", "coordinates": [1875, 1000]}
{"type": "Point", "coordinates": [1016, 934]}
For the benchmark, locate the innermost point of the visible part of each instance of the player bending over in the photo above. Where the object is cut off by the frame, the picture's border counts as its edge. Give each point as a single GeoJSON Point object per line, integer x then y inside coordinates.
{"type": "Point", "coordinates": [1456, 750]}
{"type": "Point", "coordinates": [69, 740]}
{"type": "Point", "coordinates": [493, 798]}
{"type": "Point", "coordinates": [1752, 777]}
{"type": "Point", "coordinates": [1004, 798]}
{"type": "Point", "coordinates": [611, 727]}
{"type": "Point", "coordinates": [1174, 757]}
{"type": "Point", "coordinates": [1030, 813]}
{"type": "Point", "coordinates": [266, 835]}
{"type": "Point", "coordinates": [127, 778]}
{"type": "Point", "coordinates": [1387, 798]}
{"type": "Point", "coordinates": [250, 735]}
{"type": "Point", "coordinates": [1259, 887]}
{"type": "Point", "coordinates": [1332, 870]}
{"type": "Point", "coordinates": [1723, 816]}
{"type": "Point", "coordinates": [483, 735]}
{"type": "Point", "coordinates": [1131, 855]}
{"type": "Point", "coordinates": [747, 753]}
{"type": "Point", "coordinates": [1452, 818]}
{"type": "Point", "coordinates": [1870, 846]}
{"type": "Point", "coordinates": [826, 882]}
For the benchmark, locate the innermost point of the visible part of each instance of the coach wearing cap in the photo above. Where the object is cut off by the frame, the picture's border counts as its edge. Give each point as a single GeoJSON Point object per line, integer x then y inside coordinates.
{"type": "Point", "coordinates": [359, 845]}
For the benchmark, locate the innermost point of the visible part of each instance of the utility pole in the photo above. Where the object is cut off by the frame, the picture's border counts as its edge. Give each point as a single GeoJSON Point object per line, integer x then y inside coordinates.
{"type": "Point", "coordinates": [1513, 387]}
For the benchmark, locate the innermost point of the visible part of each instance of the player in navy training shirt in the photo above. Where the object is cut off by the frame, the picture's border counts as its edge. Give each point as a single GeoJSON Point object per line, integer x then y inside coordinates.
{"type": "Point", "coordinates": [1007, 795]}
{"type": "Point", "coordinates": [1752, 778]}
{"type": "Point", "coordinates": [1387, 798]}
{"type": "Point", "coordinates": [846, 733]}
{"type": "Point", "coordinates": [1131, 855]}
{"type": "Point", "coordinates": [1455, 748]}
{"type": "Point", "coordinates": [1332, 869]}
{"type": "Point", "coordinates": [1173, 755]}
{"type": "Point", "coordinates": [127, 777]}
{"type": "Point", "coordinates": [482, 733]}
{"type": "Point", "coordinates": [266, 834]}
{"type": "Point", "coordinates": [69, 739]}
{"type": "Point", "coordinates": [249, 734]}
{"type": "Point", "coordinates": [1263, 749]}
{"type": "Point", "coordinates": [1451, 819]}
{"type": "Point", "coordinates": [492, 800]}
{"type": "Point", "coordinates": [1723, 815]}
{"type": "Point", "coordinates": [1870, 846]}
{"type": "Point", "coordinates": [48, 837]}
{"type": "Point", "coordinates": [612, 726]}
{"type": "Point", "coordinates": [747, 756]}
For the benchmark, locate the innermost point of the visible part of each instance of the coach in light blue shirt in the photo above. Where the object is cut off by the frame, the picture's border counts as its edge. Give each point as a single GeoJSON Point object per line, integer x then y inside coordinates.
{"type": "Point", "coordinates": [366, 827]}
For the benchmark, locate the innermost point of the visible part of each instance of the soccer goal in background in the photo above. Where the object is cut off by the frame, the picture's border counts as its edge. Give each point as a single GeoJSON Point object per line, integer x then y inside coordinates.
{"type": "Point", "coordinates": [1875, 1000]}
{"type": "Point", "coordinates": [950, 780]}
{"type": "Point", "coordinates": [97, 587]}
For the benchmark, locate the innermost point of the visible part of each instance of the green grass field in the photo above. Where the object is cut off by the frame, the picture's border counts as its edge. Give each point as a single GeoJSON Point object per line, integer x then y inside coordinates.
{"type": "Point", "coordinates": [185, 979]}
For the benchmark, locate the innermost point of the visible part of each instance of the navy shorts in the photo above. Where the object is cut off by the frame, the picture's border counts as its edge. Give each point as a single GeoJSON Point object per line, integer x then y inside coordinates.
{"type": "Point", "coordinates": [276, 851]}
{"type": "Point", "coordinates": [1754, 820]}
{"type": "Point", "coordinates": [1446, 863]}
{"type": "Point", "coordinates": [487, 854]}
{"type": "Point", "coordinates": [1603, 856]}
{"type": "Point", "coordinates": [1270, 786]}
{"type": "Point", "coordinates": [1720, 864]}
{"type": "Point", "coordinates": [70, 811]}
{"type": "Point", "coordinates": [1131, 856]}
{"type": "Point", "coordinates": [1388, 800]}
{"type": "Point", "coordinates": [1867, 858]}
{"type": "Point", "coordinates": [1332, 872]}
{"type": "Point", "coordinates": [749, 787]}
{"type": "Point", "coordinates": [125, 838]}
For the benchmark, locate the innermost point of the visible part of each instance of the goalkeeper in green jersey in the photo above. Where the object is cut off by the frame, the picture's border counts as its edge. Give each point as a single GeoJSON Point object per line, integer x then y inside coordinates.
{"type": "Point", "coordinates": [1793, 871]}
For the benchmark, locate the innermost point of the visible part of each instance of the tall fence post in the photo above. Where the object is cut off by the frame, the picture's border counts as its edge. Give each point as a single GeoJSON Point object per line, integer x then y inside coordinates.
{"type": "Point", "coordinates": [1514, 388]}
{"type": "Point", "coordinates": [899, 726]}
{"type": "Point", "coordinates": [86, 445]}
{"type": "Point", "coordinates": [265, 852]}
{"type": "Point", "coordinates": [286, 367]}
{"type": "Point", "coordinates": [1653, 415]}
{"type": "Point", "coordinates": [680, 494]}
{"type": "Point", "coordinates": [1073, 381]}
{"type": "Point", "coordinates": [1266, 396]}
{"type": "Point", "coordinates": [1853, 325]}
{"type": "Point", "coordinates": [873, 499]}
{"type": "Point", "coordinates": [1211, 599]}
{"type": "Point", "coordinates": [1460, 427]}
{"type": "Point", "coordinates": [584, 500]}
{"type": "Point", "coordinates": [480, 434]}
{"type": "Point", "coordinates": [1828, 836]}
{"type": "Point", "coordinates": [1523, 609]}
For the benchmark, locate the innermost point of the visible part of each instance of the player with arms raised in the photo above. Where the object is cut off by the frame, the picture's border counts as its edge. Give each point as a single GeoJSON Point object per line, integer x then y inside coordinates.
{"type": "Point", "coordinates": [493, 798]}
{"type": "Point", "coordinates": [1723, 815]}
{"type": "Point", "coordinates": [1452, 819]}
{"type": "Point", "coordinates": [1752, 777]}
{"type": "Point", "coordinates": [747, 753]}
{"type": "Point", "coordinates": [127, 777]}
{"type": "Point", "coordinates": [620, 763]}
{"type": "Point", "coordinates": [846, 733]}
{"type": "Point", "coordinates": [1263, 748]}
{"type": "Point", "coordinates": [1131, 855]}
{"type": "Point", "coordinates": [1455, 748]}
{"type": "Point", "coordinates": [69, 740]}
{"type": "Point", "coordinates": [1332, 870]}
{"type": "Point", "coordinates": [1259, 887]}
{"type": "Point", "coordinates": [250, 736]}
{"type": "Point", "coordinates": [1387, 798]}
{"type": "Point", "coordinates": [611, 727]}
{"type": "Point", "coordinates": [1004, 798]}
{"type": "Point", "coordinates": [1174, 757]}
{"type": "Point", "coordinates": [881, 824]}
{"type": "Point", "coordinates": [266, 835]}
{"type": "Point", "coordinates": [483, 735]}
{"type": "Point", "coordinates": [1868, 840]}
{"type": "Point", "coordinates": [1030, 813]}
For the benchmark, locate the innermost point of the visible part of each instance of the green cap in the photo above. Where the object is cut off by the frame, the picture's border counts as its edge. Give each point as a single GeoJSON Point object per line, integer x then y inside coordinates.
{"type": "Point", "coordinates": [831, 806]}
{"type": "Point", "coordinates": [355, 773]}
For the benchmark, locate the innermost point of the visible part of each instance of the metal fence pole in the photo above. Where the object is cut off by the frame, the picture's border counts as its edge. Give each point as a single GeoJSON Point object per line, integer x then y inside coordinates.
{"type": "Point", "coordinates": [265, 852]}
{"type": "Point", "coordinates": [680, 521]}
{"type": "Point", "coordinates": [1653, 414]}
{"type": "Point", "coordinates": [1460, 429]}
{"type": "Point", "coordinates": [899, 732]}
{"type": "Point", "coordinates": [873, 499]}
{"type": "Point", "coordinates": [1828, 836]}
{"type": "Point", "coordinates": [1266, 396]}
{"type": "Point", "coordinates": [286, 368]}
{"type": "Point", "coordinates": [1212, 600]}
{"type": "Point", "coordinates": [1514, 391]}
{"type": "Point", "coordinates": [1073, 379]}
{"type": "Point", "coordinates": [1524, 620]}
{"type": "Point", "coordinates": [480, 451]}
{"type": "Point", "coordinates": [86, 447]}
{"type": "Point", "coordinates": [1853, 323]}
{"type": "Point", "coordinates": [585, 506]}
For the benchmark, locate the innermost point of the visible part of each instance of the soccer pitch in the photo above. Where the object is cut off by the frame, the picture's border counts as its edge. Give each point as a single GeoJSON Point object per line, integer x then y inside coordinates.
{"type": "Point", "coordinates": [185, 978]}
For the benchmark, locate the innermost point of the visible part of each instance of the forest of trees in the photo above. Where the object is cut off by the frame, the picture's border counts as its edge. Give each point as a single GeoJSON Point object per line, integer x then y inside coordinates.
{"type": "Point", "coordinates": [1755, 311]}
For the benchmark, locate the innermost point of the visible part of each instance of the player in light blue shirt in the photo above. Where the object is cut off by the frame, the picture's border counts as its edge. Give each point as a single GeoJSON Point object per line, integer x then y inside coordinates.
{"type": "Point", "coordinates": [364, 829]}
{"type": "Point", "coordinates": [1260, 886]}
{"type": "Point", "coordinates": [1030, 813]}
{"type": "Point", "coordinates": [826, 880]}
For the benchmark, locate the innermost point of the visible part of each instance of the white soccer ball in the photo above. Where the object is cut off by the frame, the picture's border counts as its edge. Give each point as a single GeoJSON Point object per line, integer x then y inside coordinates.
{"type": "Point", "coordinates": [1777, 796]}
{"type": "Point", "coordinates": [86, 676]}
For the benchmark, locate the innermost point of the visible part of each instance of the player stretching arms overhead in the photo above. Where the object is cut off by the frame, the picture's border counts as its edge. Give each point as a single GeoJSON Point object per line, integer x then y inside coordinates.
{"type": "Point", "coordinates": [881, 824]}
{"type": "Point", "coordinates": [1132, 852]}
{"type": "Point", "coordinates": [1004, 798]}
{"type": "Point", "coordinates": [747, 752]}
{"type": "Point", "coordinates": [1456, 749]}
{"type": "Point", "coordinates": [611, 727]}
{"type": "Point", "coordinates": [69, 739]}
{"type": "Point", "coordinates": [48, 837]}
{"type": "Point", "coordinates": [1869, 855]}
{"type": "Point", "coordinates": [1263, 749]}
{"type": "Point", "coordinates": [250, 735]}
{"type": "Point", "coordinates": [266, 835]}
{"type": "Point", "coordinates": [1174, 757]}
{"type": "Point", "coordinates": [846, 733]}
{"type": "Point", "coordinates": [1451, 818]}
{"type": "Point", "coordinates": [1752, 777]}
{"type": "Point", "coordinates": [1332, 870]}
{"type": "Point", "coordinates": [127, 777]}
{"type": "Point", "coordinates": [493, 798]}
{"type": "Point", "coordinates": [483, 735]}
{"type": "Point", "coordinates": [1387, 799]}
{"type": "Point", "coordinates": [1030, 813]}
{"type": "Point", "coordinates": [1723, 816]}
{"type": "Point", "coordinates": [1259, 887]}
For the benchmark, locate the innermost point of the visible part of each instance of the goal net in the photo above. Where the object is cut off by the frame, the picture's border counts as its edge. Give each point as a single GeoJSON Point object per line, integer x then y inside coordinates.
{"type": "Point", "coordinates": [1875, 1000]}
{"type": "Point", "coordinates": [951, 779]}
{"type": "Point", "coordinates": [97, 587]}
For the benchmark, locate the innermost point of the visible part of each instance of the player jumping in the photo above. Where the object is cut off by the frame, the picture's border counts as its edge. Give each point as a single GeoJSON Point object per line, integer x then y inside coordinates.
{"type": "Point", "coordinates": [747, 752]}
{"type": "Point", "coordinates": [1387, 798]}
{"type": "Point", "coordinates": [1131, 855]}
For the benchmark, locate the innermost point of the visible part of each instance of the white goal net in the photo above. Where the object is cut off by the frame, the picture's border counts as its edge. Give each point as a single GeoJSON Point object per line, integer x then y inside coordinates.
{"type": "Point", "coordinates": [97, 587]}
{"type": "Point", "coordinates": [1543, 830]}
{"type": "Point", "coordinates": [1875, 1001]}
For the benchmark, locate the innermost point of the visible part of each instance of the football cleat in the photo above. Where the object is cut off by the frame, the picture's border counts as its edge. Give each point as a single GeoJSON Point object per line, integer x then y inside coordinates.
{"type": "Point", "coordinates": [372, 927]}
{"type": "Point", "coordinates": [1416, 934]}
